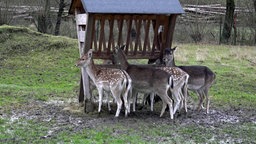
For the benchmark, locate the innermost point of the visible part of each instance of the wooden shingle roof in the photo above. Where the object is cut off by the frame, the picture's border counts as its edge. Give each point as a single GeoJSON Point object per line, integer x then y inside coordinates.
{"type": "Point", "coordinates": [129, 6]}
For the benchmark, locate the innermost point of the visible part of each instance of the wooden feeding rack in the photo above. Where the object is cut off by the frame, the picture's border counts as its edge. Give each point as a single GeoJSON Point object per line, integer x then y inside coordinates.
{"type": "Point", "coordinates": [104, 24]}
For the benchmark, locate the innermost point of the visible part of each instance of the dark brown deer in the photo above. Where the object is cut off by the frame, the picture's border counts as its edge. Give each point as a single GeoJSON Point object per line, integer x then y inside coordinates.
{"type": "Point", "coordinates": [146, 80]}
{"type": "Point", "coordinates": [200, 79]}
{"type": "Point", "coordinates": [117, 81]}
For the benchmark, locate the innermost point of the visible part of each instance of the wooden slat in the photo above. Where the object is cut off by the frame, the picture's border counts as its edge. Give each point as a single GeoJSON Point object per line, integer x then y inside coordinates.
{"type": "Point", "coordinates": [146, 39]}
{"type": "Point", "coordinates": [111, 39]}
{"type": "Point", "coordinates": [93, 36]}
{"type": "Point", "coordinates": [81, 19]}
{"type": "Point", "coordinates": [129, 27]}
{"type": "Point", "coordinates": [102, 35]}
{"type": "Point", "coordinates": [137, 41]}
{"type": "Point", "coordinates": [120, 28]}
{"type": "Point", "coordinates": [88, 33]}
{"type": "Point", "coordinates": [171, 26]}
{"type": "Point", "coordinates": [154, 45]}
{"type": "Point", "coordinates": [81, 36]}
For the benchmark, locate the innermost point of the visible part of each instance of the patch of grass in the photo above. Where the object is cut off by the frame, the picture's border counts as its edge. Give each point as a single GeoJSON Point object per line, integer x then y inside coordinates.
{"type": "Point", "coordinates": [36, 66]}
{"type": "Point", "coordinates": [21, 131]}
{"type": "Point", "coordinates": [234, 68]}
{"type": "Point", "coordinates": [108, 134]}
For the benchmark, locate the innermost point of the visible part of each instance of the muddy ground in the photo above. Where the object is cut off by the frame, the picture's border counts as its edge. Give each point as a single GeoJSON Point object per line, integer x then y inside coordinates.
{"type": "Point", "coordinates": [69, 113]}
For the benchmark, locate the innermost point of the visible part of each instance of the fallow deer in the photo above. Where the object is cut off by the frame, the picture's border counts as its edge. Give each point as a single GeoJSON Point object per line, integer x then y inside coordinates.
{"type": "Point", "coordinates": [179, 90]}
{"type": "Point", "coordinates": [117, 81]}
{"type": "Point", "coordinates": [200, 79]}
{"type": "Point", "coordinates": [147, 80]}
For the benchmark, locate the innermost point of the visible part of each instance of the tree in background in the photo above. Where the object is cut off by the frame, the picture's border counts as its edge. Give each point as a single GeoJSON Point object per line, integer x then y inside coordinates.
{"type": "Point", "coordinates": [62, 5]}
{"type": "Point", "coordinates": [44, 23]}
{"type": "Point", "coordinates": [229, 21]}
{"type": "Point", "coordinates": [254, 4]}
{"type": "Point", "coordinates": [6, 15]}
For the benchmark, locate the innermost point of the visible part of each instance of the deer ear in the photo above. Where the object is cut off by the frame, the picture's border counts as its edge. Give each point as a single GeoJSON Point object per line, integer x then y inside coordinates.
{"type": "Point", "coordinates": [122, 47]}
{"type": "Point", "coordinates": [90, 53]}
{"type": "Point", "coordinates": [116, 49]}
{"type": "Point", "coordinates": [174, 48]}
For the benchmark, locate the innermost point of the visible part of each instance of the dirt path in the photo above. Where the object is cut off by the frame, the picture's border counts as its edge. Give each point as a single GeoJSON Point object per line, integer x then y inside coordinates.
{"type": "Point", "coordinates": [77, 120]}
{"type": "Point", "coordinates": [72, 114]}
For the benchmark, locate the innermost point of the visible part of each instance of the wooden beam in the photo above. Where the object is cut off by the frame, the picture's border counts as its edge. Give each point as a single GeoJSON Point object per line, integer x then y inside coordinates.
{"type": "Point", "coordinates": [171, 26]}
{"type": "Point", "coordinates": [129, 27]}
{"type": "Point", "coordinates": [154, 45]}
{"type": "Point", "coordinates": [146, 38]}
{"type": "Point", "coordinates": [87, 46]}
{"type": "Point", "coordinates": [102, 35]}
{"type": "Point", "coordinates": [137, 41]}
{"type": "Point", "coordinates": [111, 34]}
{"type": "Point", "coordinates": [120, 28]}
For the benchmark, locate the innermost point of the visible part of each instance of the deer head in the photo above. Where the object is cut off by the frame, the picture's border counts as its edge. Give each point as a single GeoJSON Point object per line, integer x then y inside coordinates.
{"type": "Point", "coordinates": [119, 56]}
{"type": "Point", "coordinates": [168, 57]}
{"type": "Point", "coordinates": [85, 59]}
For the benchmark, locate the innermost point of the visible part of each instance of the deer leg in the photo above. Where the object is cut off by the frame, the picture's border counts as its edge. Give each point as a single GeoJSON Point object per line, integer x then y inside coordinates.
{"type": "Point", "coordinates": [166, 100]}
{"type": "Point", "coordinates": [134, 97]}
{"type": "Point", "coordinates": [185, 95]}
{"type": "Point", "coordinates": [207, 100]}
{"type": "Point", "coordinates": [202, 93]}
{"type": "Point", "coordinates": [200, 97]}
{"type": "Point", "coordinates": [100, 91]}
{"type": "Point", "coordinates": [145, 99]}
{"type": "Point", "coordinates": [170, 106]}
{"type": "Point", "coordinates": [171, 109]}
{"type": "Point", "coordinates": [129, 96]}
{"type": "Point", "coordinates": [126, 103]}
{"type": "Point", "coordinates": [107, 95]}
{"type": "Point", "coordinates": [152, 95]}
{"type": "Point", "coordinates": [177, 101]}
{"type": "Point", "coordinates": [163, 108]}
{"type": "Point", "coordinates": [119, 102]}
{"type": "Point", "coordinates": [182, 100]}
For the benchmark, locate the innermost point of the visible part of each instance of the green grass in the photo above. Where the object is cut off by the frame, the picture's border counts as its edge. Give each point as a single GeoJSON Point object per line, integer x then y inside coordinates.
{"type": "Point", "coordinates": [38, 67]}
{"type": "Point", "coordinates": [35, 65]}
{"type": "Point", "coordinates": [234, 66]}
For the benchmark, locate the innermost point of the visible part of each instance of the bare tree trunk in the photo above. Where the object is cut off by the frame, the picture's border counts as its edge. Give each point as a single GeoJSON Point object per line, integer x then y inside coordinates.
{"type": "Point", "coordinates": [229, 20]}
{"type": "Point", "coordinates": [44, 19]}
{"type": "Point", "coordinates": [6, 16]}
{"type": "Point", "coordinates": [60, 12]}
{"type": "Point", "coordinates": [254, 4]}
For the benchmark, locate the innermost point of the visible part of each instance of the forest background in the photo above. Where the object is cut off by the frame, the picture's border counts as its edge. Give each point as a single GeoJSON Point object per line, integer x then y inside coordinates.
{"type": "Point", "coordinates": [203, 22]}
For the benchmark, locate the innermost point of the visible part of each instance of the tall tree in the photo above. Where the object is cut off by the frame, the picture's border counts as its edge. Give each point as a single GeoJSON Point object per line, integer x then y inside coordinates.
{"type": "Point", "coordinates": [254, 4]}
{"type": "Point", "coordinates": [44, 18]}
{"type": "Point", "coordinates": [62, 5]}
{"type": "Point", "coordinates": [229, 21]}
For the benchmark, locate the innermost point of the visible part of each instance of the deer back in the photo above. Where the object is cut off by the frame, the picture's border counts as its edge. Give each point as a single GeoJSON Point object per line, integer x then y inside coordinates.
{"type": "Point", "coordinates": [143, 78]}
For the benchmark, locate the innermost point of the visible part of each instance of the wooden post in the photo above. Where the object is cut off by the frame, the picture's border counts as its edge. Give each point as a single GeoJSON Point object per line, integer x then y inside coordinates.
{"type": "Point", "coordinates": [81, 23]}
{"type": "Point", "coordinates": [220, 30]}
{"type": "Point", "coordinates": [169, 37]}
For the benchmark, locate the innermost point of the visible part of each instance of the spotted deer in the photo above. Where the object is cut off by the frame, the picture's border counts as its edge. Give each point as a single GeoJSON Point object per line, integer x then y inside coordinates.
{"type": "Point", "coordinates": [179, 90]}
{"type": "Point", "coordinates": [200, 79]}
{"type": "Point", "coordinates": [146, 80]}
{"type": "Point", "coordinates": [117, 81]}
